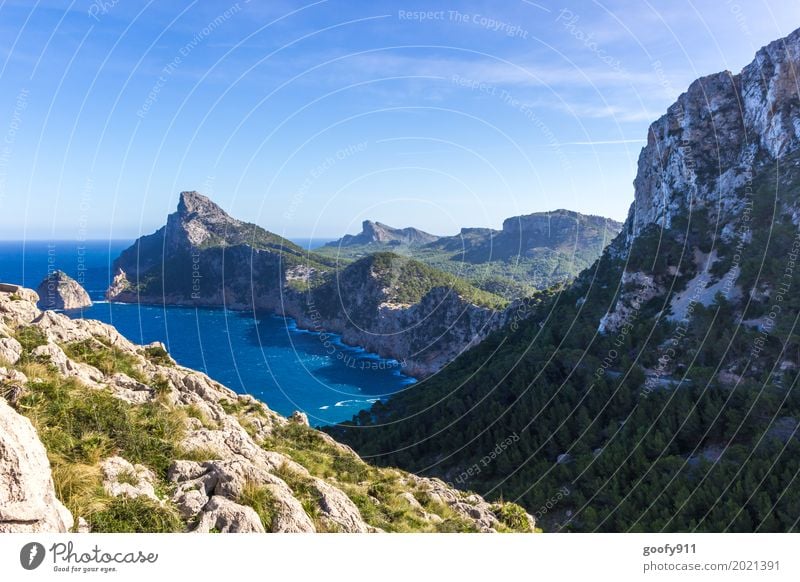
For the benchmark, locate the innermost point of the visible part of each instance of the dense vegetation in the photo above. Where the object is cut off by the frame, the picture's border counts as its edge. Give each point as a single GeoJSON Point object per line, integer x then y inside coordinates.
{"type": "Point", "coordinates": [660, 424]}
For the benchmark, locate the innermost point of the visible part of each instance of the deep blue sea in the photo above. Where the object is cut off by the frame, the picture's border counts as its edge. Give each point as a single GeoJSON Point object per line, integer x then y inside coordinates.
{"type": "Point", "coordinates": [263, 355]}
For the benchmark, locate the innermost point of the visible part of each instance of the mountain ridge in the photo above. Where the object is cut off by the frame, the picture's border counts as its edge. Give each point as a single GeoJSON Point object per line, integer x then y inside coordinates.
{"type": "Point", "coordinates": [529, 253]}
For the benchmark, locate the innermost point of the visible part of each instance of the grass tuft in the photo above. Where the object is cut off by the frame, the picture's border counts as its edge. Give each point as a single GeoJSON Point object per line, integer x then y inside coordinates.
{"type": "Point", "coordinates": [106, 358]}
{"type": "Point", "coordinates": [139, 515]}
{"type": "Point", "coordinates": [261, 500]}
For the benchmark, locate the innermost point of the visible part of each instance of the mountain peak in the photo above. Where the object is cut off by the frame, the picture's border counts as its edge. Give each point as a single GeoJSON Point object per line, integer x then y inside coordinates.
{"type": "Point", "coordinates": [194, 203]}
{"type": "Point", "coordinates": [702, 152]}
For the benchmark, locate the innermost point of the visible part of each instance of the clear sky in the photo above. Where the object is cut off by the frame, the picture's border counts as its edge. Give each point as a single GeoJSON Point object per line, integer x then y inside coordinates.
{"type": "Point", "coordinates": [308, 118]}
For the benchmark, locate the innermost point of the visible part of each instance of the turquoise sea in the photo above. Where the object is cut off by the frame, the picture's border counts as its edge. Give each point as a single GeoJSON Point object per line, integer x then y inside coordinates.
{"type": "Point", "coordinates": [253, 353]}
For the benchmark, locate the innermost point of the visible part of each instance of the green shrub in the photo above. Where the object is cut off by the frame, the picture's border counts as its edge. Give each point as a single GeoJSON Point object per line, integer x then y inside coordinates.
{"type": "Point", "coordinates": [160, 385]}
{"type": "Point", "coordinates": [512, 516]}
{"type": "Point", "coordinates": [158, 355]}
{"type": "Point", "coordinates": [30, 337]}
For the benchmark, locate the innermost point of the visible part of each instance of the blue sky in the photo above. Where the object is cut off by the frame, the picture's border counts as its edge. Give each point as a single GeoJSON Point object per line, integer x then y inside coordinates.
{"type": "Point", "coordinates": [308, 118]}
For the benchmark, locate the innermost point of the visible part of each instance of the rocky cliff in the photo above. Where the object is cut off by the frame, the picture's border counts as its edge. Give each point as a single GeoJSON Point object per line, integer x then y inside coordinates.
{"type": "Point", "coordinates": [205, 257]}
{"type": "Point", "coordinates": [721, 158]}
{"type": "Point", "coordinates": [705, 150]}
{"type": "Point", "coordinates": [60, 291]}
{"type": "Point", "coordinates": [138, 443]}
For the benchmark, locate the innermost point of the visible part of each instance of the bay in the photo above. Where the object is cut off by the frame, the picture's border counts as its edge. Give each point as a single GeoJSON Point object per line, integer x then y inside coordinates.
{"type": "Point", "coordinates": [260, 354]}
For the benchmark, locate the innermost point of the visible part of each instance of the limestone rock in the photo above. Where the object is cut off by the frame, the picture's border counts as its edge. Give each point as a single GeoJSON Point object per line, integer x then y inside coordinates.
{"type": "Point", "coordinates": [128, 389]}
{"type": "Point", "coordinates": [57, 327]}
{"type": "Point", "coordinates": [87, 374]}
{"type": "Point", "coordinates": [10, 350]}
{"type": "Point", "coordinates": [118, 286]}
{"type": "Point", "coordinates": [223, 515]}
{"type": "Point", "coordinates": [28, 502]}
{"type": "Point", "coordinates": [123, 479]}
{"type": "Point", "coordinates": [197, 483]}
{"type": "Point", "coordinates": [60, 291]}
{"type": "Point", "coordinates": [701, 153]}
{"type": "Point", "coordinates": [337, 508]}
{"type": "Point", "coordinates": [18, 305]}
{"type": "Point", "coordinates": [8, 376]}
{"type": "Point", "coordinates": [12, 385]}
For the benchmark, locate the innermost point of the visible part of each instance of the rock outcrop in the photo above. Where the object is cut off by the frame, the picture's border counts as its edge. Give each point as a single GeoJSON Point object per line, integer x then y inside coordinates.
{"type": "Point", "coordinates": [60, 291]}
{"type": "Point", "coordinates": [124, 479]}
{"type": "Point", "coordinates": [232, 469]}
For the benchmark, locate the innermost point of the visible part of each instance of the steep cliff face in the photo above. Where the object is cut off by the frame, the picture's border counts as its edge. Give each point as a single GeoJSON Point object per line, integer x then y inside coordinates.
{"type": "Point", "coordinates": [722, 131]}
{"type": "Point", "coordinates": [202, 256]}
{"type": "Point", "coordinates": [138, 443]}
{"type": "Point", "coordinates": [724, 151]}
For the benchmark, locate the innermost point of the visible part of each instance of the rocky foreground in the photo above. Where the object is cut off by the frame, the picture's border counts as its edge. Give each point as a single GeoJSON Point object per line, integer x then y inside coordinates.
{"type": "Point", "coordinates": [99, 434]}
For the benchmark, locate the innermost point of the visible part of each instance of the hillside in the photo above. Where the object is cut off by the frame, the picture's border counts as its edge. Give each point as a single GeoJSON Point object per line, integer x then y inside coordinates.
{"type": "Point", "coordinates": [418, 316]}
{"type": "Point", "coordinates": [658, 392]}
{"type": "Point", "coordinates": [530, 253]}
{"type": "Point", "coordinates": [103, 435]}
{"type": "Point", "coordinates": [392, 304]}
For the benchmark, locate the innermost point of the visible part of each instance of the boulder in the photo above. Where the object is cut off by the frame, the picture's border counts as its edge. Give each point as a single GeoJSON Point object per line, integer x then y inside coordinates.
{"type": "Point", "coordinates": [18, 307]}
{"type": "Point", "coordinates": [28, 502]}
{"type": "Point", "coordinates": [198, 483]}
{"type": "Point", "coordinates": [12, 385]}
{"type": "Point", "coordinates": [339, 510]}
{"type": "Point", "coordinates": [87, 374]}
